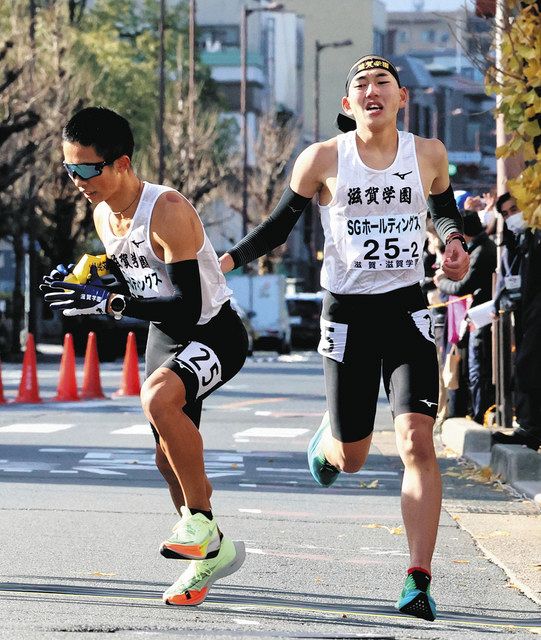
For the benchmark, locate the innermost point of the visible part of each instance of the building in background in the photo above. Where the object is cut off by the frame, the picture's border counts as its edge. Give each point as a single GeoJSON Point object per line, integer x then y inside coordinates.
{"type": "Point", "coordinates": [452, 47]}
{"type": "Point", "coordinates": [361, 21]}
{"type": "Point", "coordinates": [281, 50]}
{"type": "Point", "coordinates": [274, 80]}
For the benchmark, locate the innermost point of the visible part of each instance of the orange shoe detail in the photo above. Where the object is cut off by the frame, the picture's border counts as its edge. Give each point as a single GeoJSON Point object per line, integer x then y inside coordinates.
{"type": "Point", "coordinates": [188, 598]}
{"type": "Point", "coordinates": [194, 552]}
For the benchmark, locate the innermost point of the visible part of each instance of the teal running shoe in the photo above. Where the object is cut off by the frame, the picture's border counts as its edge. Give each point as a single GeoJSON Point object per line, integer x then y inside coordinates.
{"type": "Point", "coordinates": [323, 472]}
{"type": "Point", "coordinates": [415, 599]}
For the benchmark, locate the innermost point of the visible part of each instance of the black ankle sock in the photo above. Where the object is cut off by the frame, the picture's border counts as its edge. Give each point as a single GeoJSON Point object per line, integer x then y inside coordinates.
{"type": "Point", "coordinates": [207, 514]}
{"type": "Point", "coordinates": [421, 577]}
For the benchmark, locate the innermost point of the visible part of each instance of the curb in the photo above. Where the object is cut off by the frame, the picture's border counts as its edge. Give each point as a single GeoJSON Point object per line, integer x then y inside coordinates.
{"type": "Point", "coordinates": [517, 465]}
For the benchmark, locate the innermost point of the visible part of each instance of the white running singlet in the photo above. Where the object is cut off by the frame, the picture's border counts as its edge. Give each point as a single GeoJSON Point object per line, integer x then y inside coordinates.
{"type": "Point", "coordinates": [375, 224]}
{"type": "Point", "coordinates": [144, 272]}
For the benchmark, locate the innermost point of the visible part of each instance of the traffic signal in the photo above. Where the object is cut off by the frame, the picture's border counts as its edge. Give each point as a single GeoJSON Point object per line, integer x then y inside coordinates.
{"type": "Point", "coordinates": [485, 8]}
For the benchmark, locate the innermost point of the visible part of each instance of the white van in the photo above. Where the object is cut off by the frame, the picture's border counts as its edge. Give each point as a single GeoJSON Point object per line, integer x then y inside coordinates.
{"type": "Point", "coordinates": [264, 300]}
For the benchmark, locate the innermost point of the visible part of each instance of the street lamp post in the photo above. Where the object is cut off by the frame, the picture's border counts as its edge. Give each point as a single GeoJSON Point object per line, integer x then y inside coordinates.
{"type": "Point", "coordinates": [246, 11]}
{"type": "Point", "coordinates": [319, 47]}
{"type": "Point", "coordinates": [311, 233]}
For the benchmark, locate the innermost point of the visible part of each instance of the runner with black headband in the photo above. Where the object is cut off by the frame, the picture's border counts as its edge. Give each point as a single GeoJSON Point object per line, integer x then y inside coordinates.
{"type": "Point", "coordinates": [373, 183]}
{"type": "Point", "coordinates": [170, 274]}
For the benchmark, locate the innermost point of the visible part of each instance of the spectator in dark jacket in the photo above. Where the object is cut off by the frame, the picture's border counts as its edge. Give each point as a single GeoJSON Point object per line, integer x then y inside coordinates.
{"type": "Point", "coordinates": [522, 257]}
{"type": "Point", "coordinates": [478, 283]}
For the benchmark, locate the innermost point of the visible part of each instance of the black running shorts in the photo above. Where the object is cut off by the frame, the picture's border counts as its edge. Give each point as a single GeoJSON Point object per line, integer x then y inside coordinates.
{"type": "Point", "coordinates": [365, 335]}
{"type": "Point", "coordinates": [212, 355]}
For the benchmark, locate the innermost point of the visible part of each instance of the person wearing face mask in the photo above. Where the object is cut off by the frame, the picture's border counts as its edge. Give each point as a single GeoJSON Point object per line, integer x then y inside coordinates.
{"type": "Point", "coordinates": [519, 289]}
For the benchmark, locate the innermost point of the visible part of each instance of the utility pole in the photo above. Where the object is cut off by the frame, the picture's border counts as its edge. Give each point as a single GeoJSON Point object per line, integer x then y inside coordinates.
{"type": "Point", "coordinates": [244, 116]}
{"type": "Point", "coordinates": [191, 93]}
{"type": "Point", "coordinates": [161, 110]}
{"type": "Point", "coordinates": [310, 231]}
{"type": "Point", "coordinates": [31, 262]}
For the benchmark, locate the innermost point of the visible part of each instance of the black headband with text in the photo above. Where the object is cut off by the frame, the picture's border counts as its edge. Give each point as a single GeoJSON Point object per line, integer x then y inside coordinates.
{"type": "Point", "coordinates": [368, 63]}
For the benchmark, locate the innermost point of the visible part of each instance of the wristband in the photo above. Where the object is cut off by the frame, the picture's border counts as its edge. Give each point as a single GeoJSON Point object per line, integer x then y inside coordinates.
{"type": "Point", "coordinates": [459, 237]}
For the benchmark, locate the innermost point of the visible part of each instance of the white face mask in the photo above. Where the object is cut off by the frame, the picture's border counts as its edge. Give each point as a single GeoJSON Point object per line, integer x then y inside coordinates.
{"type": "Point", "coordinates": [516, 223]}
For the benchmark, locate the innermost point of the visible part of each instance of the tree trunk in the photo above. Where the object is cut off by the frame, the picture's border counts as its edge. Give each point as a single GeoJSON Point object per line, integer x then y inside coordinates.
{"type": "Point", "coordinates": [17, 297]}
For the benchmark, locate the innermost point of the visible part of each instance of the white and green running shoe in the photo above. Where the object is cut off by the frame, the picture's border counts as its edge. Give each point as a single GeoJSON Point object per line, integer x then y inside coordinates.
{"type": "Point", "coordinates": [193, 585]}
{"type": "Point", "coordinates": [194, 537]}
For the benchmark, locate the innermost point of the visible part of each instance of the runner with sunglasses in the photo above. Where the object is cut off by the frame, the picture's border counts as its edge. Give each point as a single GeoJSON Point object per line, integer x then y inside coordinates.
{"type": "Point", "coordinates": [372, 183]}
{"type": "Point", "coordinates": [157, 244]}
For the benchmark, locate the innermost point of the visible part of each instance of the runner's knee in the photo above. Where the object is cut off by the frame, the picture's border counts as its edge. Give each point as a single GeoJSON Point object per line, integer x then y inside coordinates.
{"type": "Point", "coordinates": [349, 457]}
{"type": "Point", "coordinates": [160, 394]}
{"type": "Point", "coordinates": [414, 437]}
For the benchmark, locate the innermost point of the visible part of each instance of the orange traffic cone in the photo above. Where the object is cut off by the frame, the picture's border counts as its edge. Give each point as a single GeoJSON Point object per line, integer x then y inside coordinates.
{"type": "Point", "coordinates": [130, 385]}
{"type": "Point", "coordinates": [2, 399]}
{"type": "Point", "coordinates": [91, 374]}
{"type": "Point", "coordinates": [29, 388]}
{"type": "Point", "coordinates": [67, 381]}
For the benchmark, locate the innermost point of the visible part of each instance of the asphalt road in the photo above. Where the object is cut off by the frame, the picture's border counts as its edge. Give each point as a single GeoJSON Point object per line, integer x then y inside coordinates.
{"type": "Point", "coordinates": [83, 511]}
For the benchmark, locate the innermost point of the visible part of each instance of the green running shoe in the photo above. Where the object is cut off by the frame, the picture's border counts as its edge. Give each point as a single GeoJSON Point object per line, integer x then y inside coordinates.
{"type": "Point", "coordinates": [193, 585]}
{"type": "Point", "coordinates": [194, 537]}
{"type": "Point", "coordinates": [323, 472]}
{"type": "Point", "coordinates": [416, 600]}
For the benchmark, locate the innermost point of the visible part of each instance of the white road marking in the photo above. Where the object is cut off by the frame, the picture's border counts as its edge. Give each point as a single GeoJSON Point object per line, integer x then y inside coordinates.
{"type": "Point", "coordinates": [134, 430]}
{"type": "Point", "coordinates": [270, 432]}
{"type": "Point", "coordinates": [284, 470]}
{"type": "Point", "coordinates": [98, 455]}
{"type": "Point", "coordinates": [98, 471]}
{"type": "Point", "coordinates": [250, 510]}
{"type": "Point", "coordinates": [224, 457]}
{"type": "Point", "coordinates": [362, 472]}
{"type": "Point", "coordinates": [22, 466]}
{"type": "Point", "coordinates": [221, 474]}
{"type": "Point", "coordinates": [23, 427]}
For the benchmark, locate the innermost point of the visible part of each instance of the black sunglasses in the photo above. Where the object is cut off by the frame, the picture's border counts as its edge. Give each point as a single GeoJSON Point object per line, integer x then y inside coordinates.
{"type": "Point", "coordinates": [85, 170]}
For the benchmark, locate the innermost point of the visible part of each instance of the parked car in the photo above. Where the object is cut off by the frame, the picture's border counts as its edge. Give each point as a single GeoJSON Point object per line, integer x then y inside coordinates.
{"type": "Point", "coordinates": [304, 313]}
{"type": "Point", "coordinates": [263, 299]}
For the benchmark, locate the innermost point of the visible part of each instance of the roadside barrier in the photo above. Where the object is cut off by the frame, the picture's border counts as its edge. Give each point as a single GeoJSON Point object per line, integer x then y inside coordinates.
{"type": "Point", "coordinates": [91, 371]}
{"type": "Point", "coordinates": [29, 388]}
{"type": "Point", "coordinates": [130, 385]}
{"type": "Point", "coordinates": [67, 381]}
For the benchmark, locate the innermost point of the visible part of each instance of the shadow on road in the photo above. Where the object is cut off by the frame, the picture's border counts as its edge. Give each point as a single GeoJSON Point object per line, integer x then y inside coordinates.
{"type": "Point", "coordinates": [270, 604]}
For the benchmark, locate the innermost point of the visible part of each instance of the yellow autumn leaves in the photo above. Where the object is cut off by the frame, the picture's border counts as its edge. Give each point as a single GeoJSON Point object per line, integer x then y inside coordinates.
{"type": "Point", "coordinates": [518, 84]}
